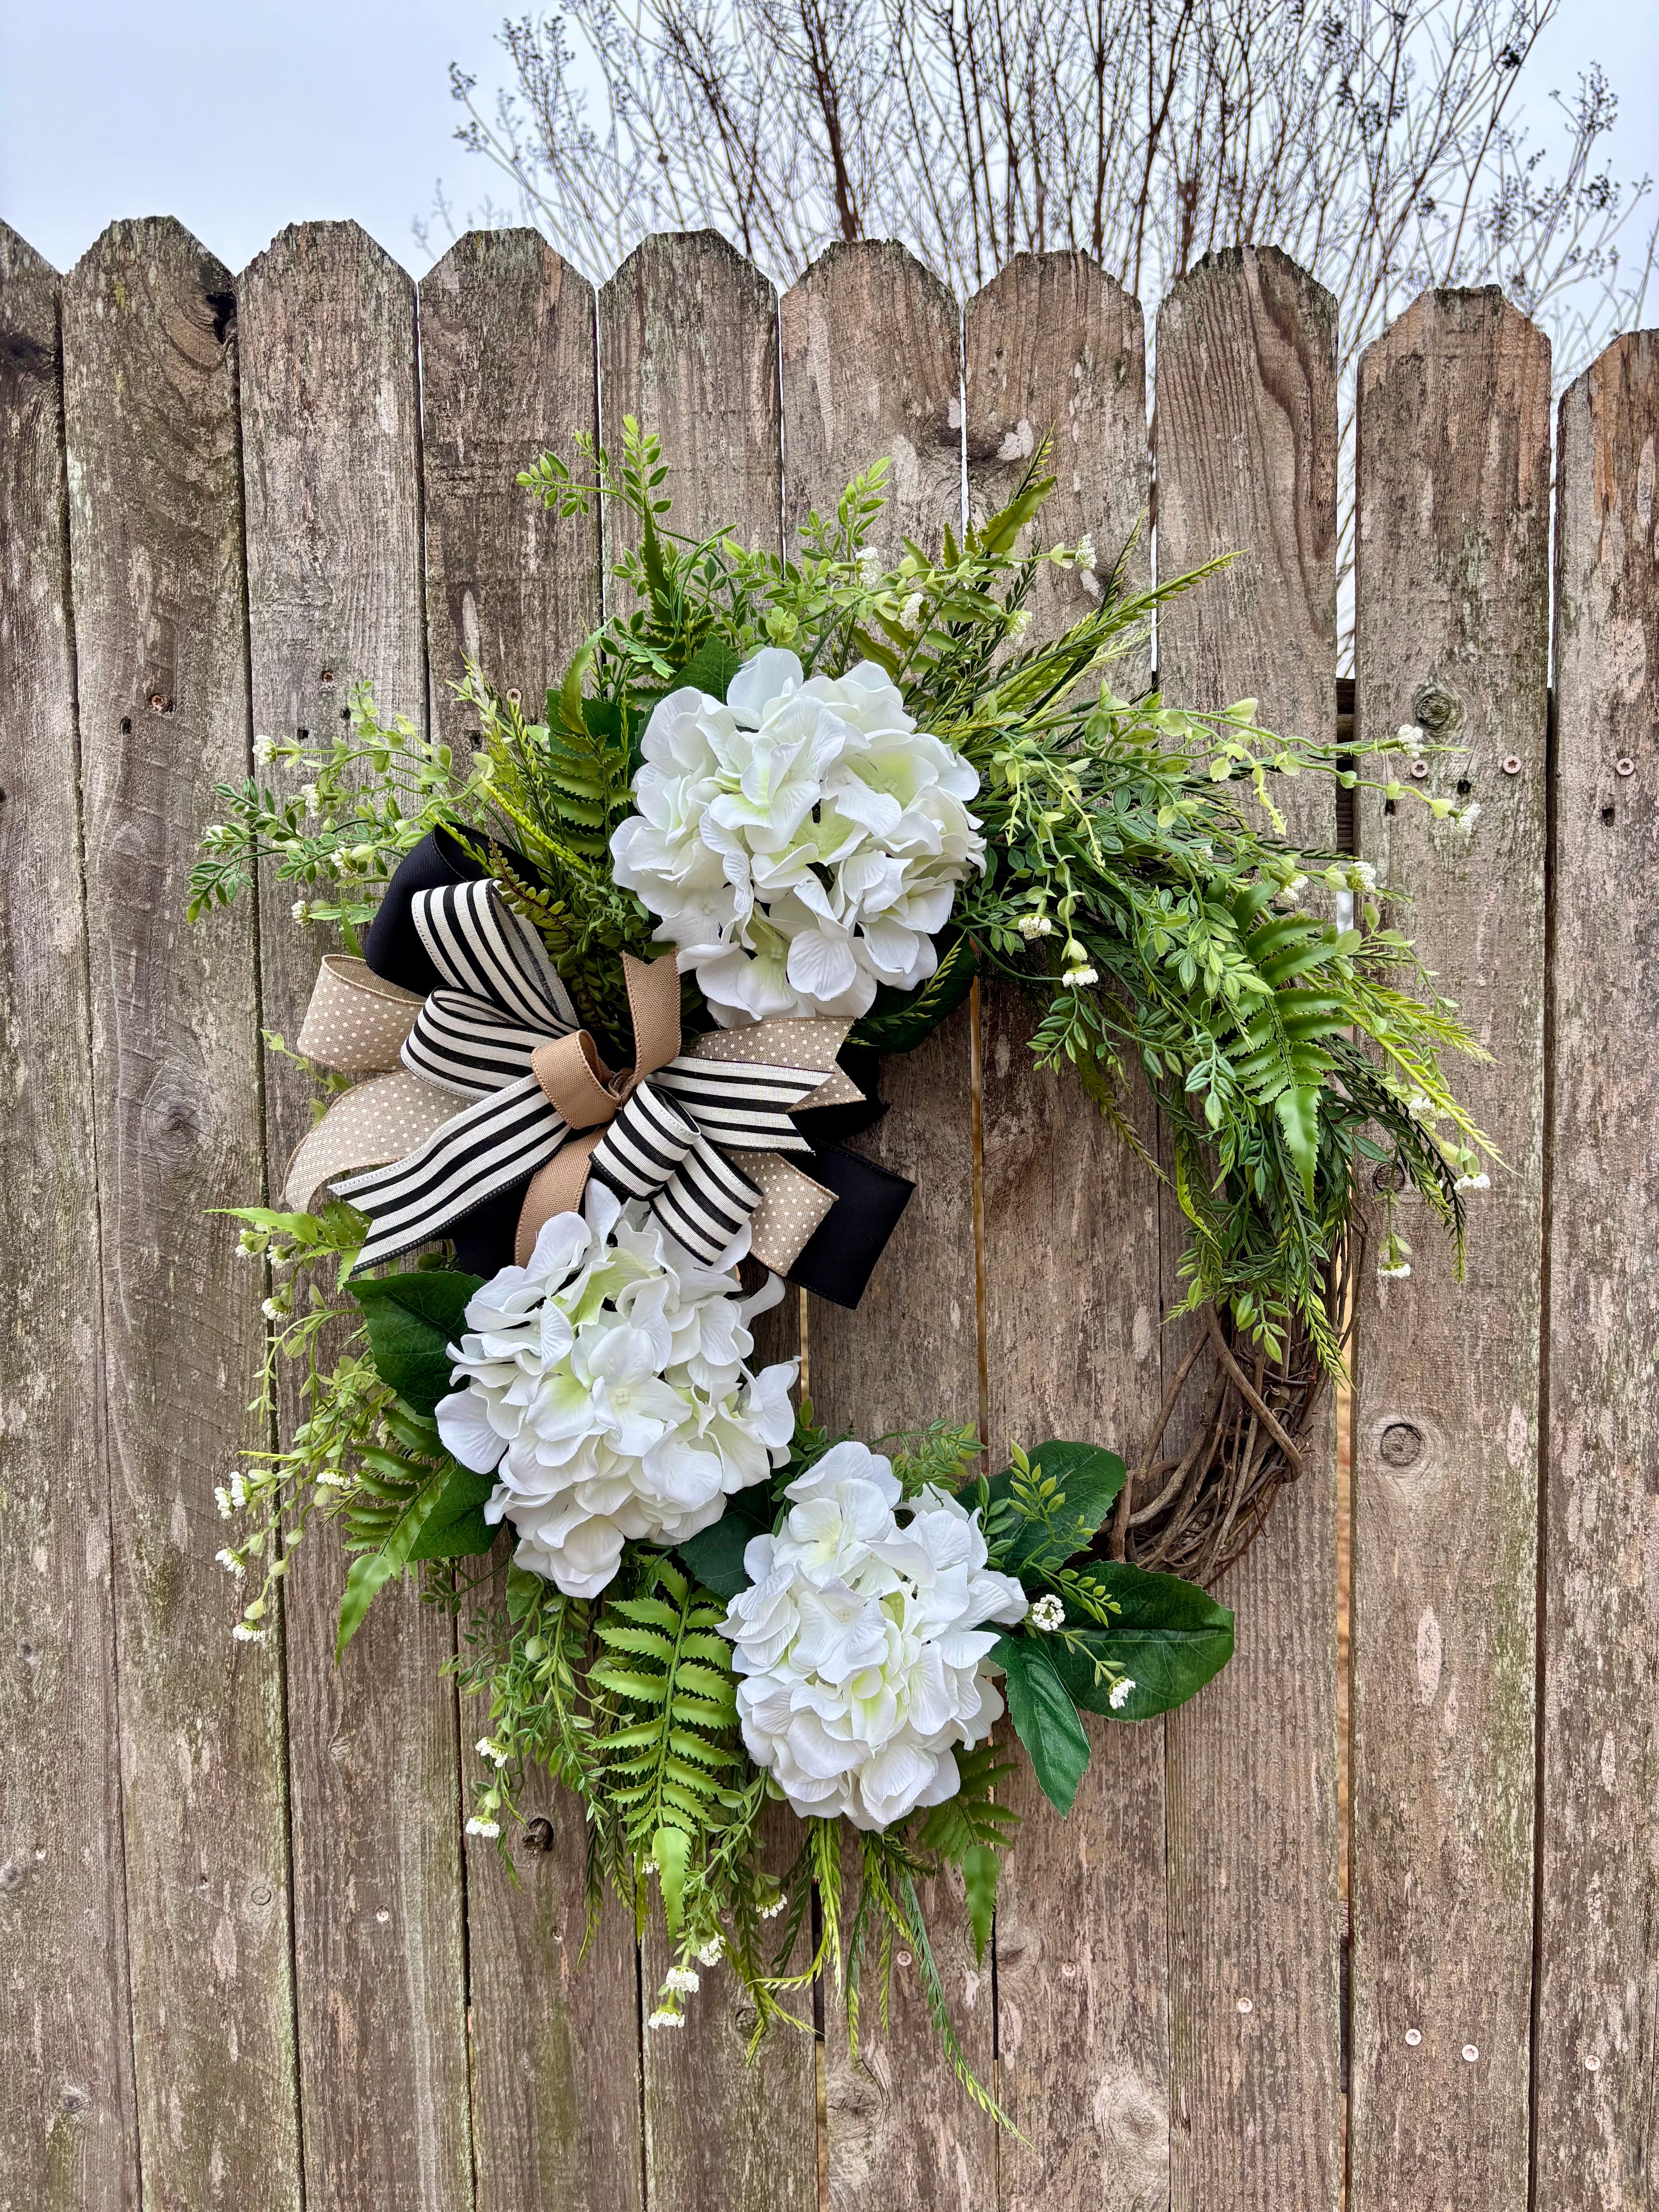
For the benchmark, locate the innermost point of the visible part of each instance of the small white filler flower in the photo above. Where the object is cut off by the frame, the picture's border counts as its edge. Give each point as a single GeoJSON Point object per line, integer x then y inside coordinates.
{"type": "Point", "coordinates": [860, 1641]}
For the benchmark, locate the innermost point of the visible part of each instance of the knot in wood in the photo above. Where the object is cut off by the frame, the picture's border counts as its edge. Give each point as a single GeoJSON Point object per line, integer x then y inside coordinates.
{"type": "Point", "coordinates": [1400, 1444]}
{"type": "Point", "coordinates": [1437, 708]}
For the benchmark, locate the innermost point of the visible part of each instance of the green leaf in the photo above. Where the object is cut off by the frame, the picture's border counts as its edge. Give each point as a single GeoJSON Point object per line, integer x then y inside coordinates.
{"type": "Point", "coordinates": [412, 1319]}
{"type": "Point", "coordinates": [1089, 1476]}
{"type": "Point", "coordinates": [1297, 1113]}
{"type": "Point", "coordinates": [671, 1850]}
{"type": "Point", "coordinates": [456, 1528]}
{"type": "Point", "coordinates": [375, 1566]}
{"type": "Point", "coordinates": [1045, 1719]}
{"type": "Point", "coordinates": [716, 1555]}
{"type": "Point", "coordinates": [525, 1591]}
{"type": "Point", "coordinates": [1170, 1637]}
{"type": "Point", "coordinates": [900, 1020]}
{"type": "Point", "coordinates": [980, 1865]}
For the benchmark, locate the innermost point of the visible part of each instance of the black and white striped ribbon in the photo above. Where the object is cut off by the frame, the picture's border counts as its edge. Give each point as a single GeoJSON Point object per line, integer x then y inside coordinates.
{"type": "Point", "coordinates": [477, 1038]}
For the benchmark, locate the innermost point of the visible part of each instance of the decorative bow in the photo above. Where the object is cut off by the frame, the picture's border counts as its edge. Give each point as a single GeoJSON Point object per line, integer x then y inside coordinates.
{"type": "Point", "coordinates": [698, 1134]}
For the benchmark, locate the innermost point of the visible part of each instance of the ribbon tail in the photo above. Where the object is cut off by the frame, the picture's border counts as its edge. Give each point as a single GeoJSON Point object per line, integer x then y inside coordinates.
{"type": "Point", "coordinates": [503, 1138]}
{"type": "Point", "coordinates": [378, 1121]}
{"type": "Point", "coordinates": [792, 1206]}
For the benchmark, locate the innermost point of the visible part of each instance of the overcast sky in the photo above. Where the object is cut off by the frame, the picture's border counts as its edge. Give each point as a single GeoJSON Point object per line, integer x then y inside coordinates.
{"type": "Point", "coordinates": [238, 116]}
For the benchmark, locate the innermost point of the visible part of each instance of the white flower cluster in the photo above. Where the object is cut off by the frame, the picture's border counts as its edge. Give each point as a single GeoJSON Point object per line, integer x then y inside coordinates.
{"type": "Point", "coordinates": [607, 1384]}
{"type": "Point", "coordinates": [860, 1645]}
{"type": "Point", "coordinates": [801, 843]}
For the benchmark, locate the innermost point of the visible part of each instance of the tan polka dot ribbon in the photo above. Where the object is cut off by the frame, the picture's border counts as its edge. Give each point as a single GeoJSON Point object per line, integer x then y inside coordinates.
{"type": "Point", "coordinates": [358, 1024]}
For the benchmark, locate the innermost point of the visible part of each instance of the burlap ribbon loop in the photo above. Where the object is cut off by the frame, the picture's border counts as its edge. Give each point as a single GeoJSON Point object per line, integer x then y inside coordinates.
{"type": "Point", "coordinates": [695, 1135]}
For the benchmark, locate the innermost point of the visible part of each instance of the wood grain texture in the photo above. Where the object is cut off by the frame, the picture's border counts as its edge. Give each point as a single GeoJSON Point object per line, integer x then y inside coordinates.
{"type": "Point", "coordinates": [872, 351]}
{"type": "Point", "coordinates": [155, 514]}
{"type": "Point", "coordinates": [507, 373]}
{"type": "Point", "coordinates": [68, 2132]}
{"type": "Point", "coordinates": [1070, 1230]}
{"type": "Point", "coordinates": [688, 343]}
{"type": "Point", "coordinates": [1246, 444]}
{"type": "Point", "coordinates": [871, 367]}
{"type": "Point", "coordinates": [1055, 348]}
{"type": "Point", "coordinates": [689, 346]}
{"type": "Point", "coordinates": [1451, 611]}
{"type": "Point", "coordinates": [1596, 2056]}
{"type": "Point", "coordinates": [331, 438]}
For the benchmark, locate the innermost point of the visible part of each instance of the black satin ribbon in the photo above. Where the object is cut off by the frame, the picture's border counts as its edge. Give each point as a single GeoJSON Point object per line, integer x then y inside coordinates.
{"type": "Point", "coordinates": [838, 1259]}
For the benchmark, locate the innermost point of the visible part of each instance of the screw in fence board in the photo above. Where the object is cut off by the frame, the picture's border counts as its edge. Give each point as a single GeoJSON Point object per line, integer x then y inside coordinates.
{"type": "Point", "coordinates": [1246, 458]}
{"type": "Point", "coordinates": [1596, 2118]}
{"type": "Point", "coordinates": [67, 2125]}
{"type": "Point", "coordinates": [330, 449]}
{"type": "Point", "coordinates": [688, 346]}
{"type": "Point", "coordinates": [507, 372]}
{"type": "Point", "coordinates": [1072, 1304]}
{"type": "Point", "coordinates": [155, 516]}
{"type": "Point", "coordinates": [1453, 495]}
{"type": "Point", "coordinates": [871, 367]}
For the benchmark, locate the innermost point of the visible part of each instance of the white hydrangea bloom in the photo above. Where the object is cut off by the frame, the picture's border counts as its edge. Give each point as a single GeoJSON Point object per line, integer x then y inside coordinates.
{"type": "Point", "coordinates": [860, 1645]}
{"type": "Point", "coordinates": [799, 844]}
{"type": "Point", "coordinates": [605, 1384]}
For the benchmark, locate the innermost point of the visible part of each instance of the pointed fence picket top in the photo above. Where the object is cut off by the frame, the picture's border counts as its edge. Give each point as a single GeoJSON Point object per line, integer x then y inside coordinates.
{"type": "Point", "coordinates": [263, 489]}
{"type": "Point", "coordinates": [508, 371]}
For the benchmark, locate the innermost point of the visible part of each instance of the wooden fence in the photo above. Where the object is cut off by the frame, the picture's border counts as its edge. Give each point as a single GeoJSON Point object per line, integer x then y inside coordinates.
{"type": "Point", "coordinates": [248, 1960]}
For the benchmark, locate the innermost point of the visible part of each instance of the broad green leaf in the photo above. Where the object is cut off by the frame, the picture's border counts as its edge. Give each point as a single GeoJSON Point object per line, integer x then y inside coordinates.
{"type": "Point", "coordinates": [710, 668]}
{"type": "Point", "coordinates": [456, 1528]}
{"type": "Point", "coordinates": [412, 1319]}
{"type": "Point", "coordinates": [980, 1865]}
{"type": "Point", "coordinates": [1170, 1637]}
{"type": "Point", "coordinates": [1045, 1719]}
{"type": "Point", "coordinates": [716, 1555]}
{"type": "Point", "coordinates": [1091, 1478]}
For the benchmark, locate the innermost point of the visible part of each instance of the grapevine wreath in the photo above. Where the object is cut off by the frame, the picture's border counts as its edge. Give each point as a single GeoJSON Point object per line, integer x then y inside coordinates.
{"type": "Point", "coordinates": [613, 989]}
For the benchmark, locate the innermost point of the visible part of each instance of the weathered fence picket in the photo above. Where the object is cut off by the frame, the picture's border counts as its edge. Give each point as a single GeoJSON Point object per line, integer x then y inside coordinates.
{"type": "Point", "coordinates": [1596, 2083]}
{"type": "Point", "coordinates": [509, 370]}
{"type": "Point", "coordinates": [161, 643]}
{"type": "Point", "coordinates": [67, 2130]}
{"type": "Point", "coordinates": [250, 1963]}
{"type": "Point", "coordinates": [1451, 603]}
{"type": "Point", "coordinates": [1246, 433]}
{"type": "Point", "coordinates": [872, 367]}
{"type": "Point", "coordinates": [1071, 1330]}
{"type": "Point", "coordinates": [330, 454]}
